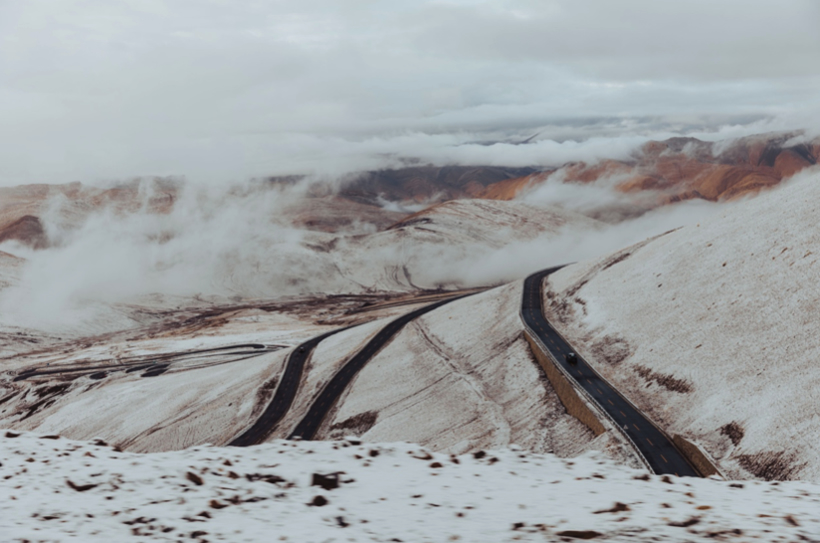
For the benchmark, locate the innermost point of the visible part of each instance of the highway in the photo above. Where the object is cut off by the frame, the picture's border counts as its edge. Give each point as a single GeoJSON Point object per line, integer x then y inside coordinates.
{"type": "Point", "coordinates": [154, 364]}
{"type": "Point", "coordinates": [283, 397]}
{"type": "Point", "coordinates": [656, 448]}
{"type": "Point", "coordinates": [309, 425]}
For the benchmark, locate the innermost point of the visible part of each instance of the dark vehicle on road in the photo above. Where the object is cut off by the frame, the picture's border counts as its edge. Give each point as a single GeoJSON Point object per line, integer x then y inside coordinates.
{"type": "Point", "coordinates": [572, 358]}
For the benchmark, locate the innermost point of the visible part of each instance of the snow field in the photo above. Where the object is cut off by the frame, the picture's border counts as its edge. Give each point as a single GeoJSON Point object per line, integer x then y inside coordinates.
{"type": "Point", "coordinates": [55, 490]}
{"type": "Point", "coordinates": [172, 411]}
{"type": "Point", "coordinates": [326, 360]}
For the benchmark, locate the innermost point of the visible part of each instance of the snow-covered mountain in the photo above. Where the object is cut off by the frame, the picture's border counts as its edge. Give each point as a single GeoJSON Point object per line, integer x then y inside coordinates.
{"type": "Point", "coordinates": [711, 330]}
{"type": "Point", "coordinates": [114, 299]}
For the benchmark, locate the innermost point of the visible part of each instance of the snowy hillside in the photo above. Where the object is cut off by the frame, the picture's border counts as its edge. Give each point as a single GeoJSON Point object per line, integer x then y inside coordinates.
{"type": "Point", "coordinates": [58, 490]}
{"type": "Point", "coordinates": [200, 398]}
{"type": "Point", "coordinates": [447, 245]}
{"type": "Point", "coordinates": [459, 379]}
{"type": "Point", "coordinates": [113, 257]}
{"type": "Point", "coordinates": [212, 399]}
{"type": "Point", "coordinates": [712, 330]}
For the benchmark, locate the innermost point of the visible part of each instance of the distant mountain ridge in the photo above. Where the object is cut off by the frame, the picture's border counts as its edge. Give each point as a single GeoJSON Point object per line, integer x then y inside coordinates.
{"type": "Point", "coordinates": [680, 168]}
{"type": "Point", "coordinates": [429, 183]}
{"type": "Point", "coordinates": [669, 171]}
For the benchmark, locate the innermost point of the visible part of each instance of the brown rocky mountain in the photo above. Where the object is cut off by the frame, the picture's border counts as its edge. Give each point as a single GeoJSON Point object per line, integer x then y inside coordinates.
{"type": "Point", "coordinates": [686, 168]}
{"type": "Point", "coordinates": [28, 230]}
{"type": "Point", "coordinates": [22, 207]}
{"type": "Point", "coordinates": [675, 169]}
{"type": "Point", "coordinates": [428, 183]}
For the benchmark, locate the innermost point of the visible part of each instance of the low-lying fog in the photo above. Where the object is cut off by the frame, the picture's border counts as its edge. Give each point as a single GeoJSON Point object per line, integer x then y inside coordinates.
{"type": "Point", "coordinates": [241, 241]}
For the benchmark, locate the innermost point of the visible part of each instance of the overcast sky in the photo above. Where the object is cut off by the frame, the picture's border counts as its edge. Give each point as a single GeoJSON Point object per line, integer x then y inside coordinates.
{"type": "Point", "coordinates": [222, 90]}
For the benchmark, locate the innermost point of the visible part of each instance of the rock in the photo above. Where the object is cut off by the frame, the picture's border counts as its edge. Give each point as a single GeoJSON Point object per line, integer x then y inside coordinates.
{"type": "Point", "coordinates": [327, 481]}
{"type": "Point", "coordinates": [580, 534]}
{"type": "Point", "coordinates": [617, 508]}
{"type": "Point", "coordinates": [79, 488]}
{"type": "Point", "coordinates": [194, 478]}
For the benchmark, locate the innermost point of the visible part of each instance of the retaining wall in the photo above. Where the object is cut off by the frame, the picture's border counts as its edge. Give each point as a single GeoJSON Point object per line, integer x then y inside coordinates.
{"type": "Point", "coordinates": [578, 408]}
{"type": "Point", "coordinates": [573, 403]}
{"type": "Point", "coordinates": [695, 456]}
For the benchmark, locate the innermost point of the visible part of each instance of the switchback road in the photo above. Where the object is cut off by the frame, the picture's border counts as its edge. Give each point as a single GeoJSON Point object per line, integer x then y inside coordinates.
{"type": "Point", "coordinates": [656, 448]}
{"type": "Point", "coordinates": [153, 364]}
{"type": "Point", "coordinates": [284, 395]}
{"type": "Point", "coordinates": [309, 425]}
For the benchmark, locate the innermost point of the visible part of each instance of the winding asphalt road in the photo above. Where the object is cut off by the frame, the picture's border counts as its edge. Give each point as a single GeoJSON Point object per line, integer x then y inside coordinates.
{"type": "Point", "coordinates": [284, 395]}
{"type": "Point", "coordinates": [154, 364]}
{"type": "Point", "coordinates": [309, 425]}
{"type": "Point", "coordinates": [656, 448]}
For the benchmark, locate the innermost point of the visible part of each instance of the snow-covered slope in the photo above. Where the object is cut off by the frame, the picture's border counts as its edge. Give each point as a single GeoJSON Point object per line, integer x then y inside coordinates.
{"type": "Point", "coordinates": [712, 329]}
{"type": "Point", "coordinates": [58, 490]}
{"type": "Point", "coordinates": [459, 379]}
{"type": "Point", "coordinates": [441, 246]}
{"type": "Point", "coordinates": [201, 398]}
{"type": "Point", "coordinates": [109, 263]}
{"type": "Point", "coordinates": [682, 323]}
{"type": "Point", "coordinates": [212, 401]}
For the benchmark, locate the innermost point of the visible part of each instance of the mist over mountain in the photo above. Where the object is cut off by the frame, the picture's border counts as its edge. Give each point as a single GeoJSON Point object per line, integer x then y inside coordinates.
{"type": "Point", "coordinates": [530, 270]}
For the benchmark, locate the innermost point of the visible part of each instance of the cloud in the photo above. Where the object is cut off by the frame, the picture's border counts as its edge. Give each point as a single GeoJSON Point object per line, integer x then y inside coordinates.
{"type": "Point", "coordinates": [215, 241]}
{"type": "Point", "coordinates": [222, 91]}
{"type": "Point", "coordinates": [223, 242]}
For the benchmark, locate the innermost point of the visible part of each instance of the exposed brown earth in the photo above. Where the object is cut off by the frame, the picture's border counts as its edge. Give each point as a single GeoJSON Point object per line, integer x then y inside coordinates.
{"type": "Point", "coordinates": [676, 169]}
{"type": "Point", "coordinates": [28, 230]}
{"type": "Point", "coordinates": [684, 169]}
{"type": "Point", "coordinates": [510, 188]}
{"type": "Point", "coordinates": [21, 207]}
{"type": "Point", "coordinates": [335, 214]}
{"type": "Point", "coordinates": [428, 183]}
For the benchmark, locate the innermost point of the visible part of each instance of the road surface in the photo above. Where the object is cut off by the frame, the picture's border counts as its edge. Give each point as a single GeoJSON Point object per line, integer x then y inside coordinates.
{"type": "Point", "coordinates": [656, 448]}
{"type": "Point", "coordinates": [153, 363]}
{"type": "Point", "coordinates": [284, 395]}
{"type": "Point", "coordinates": [309, 425]}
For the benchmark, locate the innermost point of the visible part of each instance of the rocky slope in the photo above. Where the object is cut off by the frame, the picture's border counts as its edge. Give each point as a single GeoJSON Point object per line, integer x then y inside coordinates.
{"type": "Point", "coordinates": [685, 168]}
{"type": "Point", "coordinates": [427, 184]}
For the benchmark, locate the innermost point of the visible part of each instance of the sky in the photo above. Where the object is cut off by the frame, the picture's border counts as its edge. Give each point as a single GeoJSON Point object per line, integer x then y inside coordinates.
{"type": "Point", "coordinates": [214, 90]}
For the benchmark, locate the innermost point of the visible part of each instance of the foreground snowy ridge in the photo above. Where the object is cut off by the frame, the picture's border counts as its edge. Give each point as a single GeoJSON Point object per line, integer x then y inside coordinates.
{"type": "Point", "coordinates": [53, 489]}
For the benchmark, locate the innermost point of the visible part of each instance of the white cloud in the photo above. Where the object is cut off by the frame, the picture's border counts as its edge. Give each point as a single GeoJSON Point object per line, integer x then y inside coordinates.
{"type": "Point", "coordinates": [224, 90]}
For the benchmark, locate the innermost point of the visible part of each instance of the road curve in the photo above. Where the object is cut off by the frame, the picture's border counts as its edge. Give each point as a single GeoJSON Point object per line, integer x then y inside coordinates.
{"type": "Point", "coordinates": [284, 395]}
{"type": "Point", "coordinates": [309, 425]}
{"type": "Point", "coordinates": [655, 447]}
{"type": "Point", "coordinates": [130, 364]}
